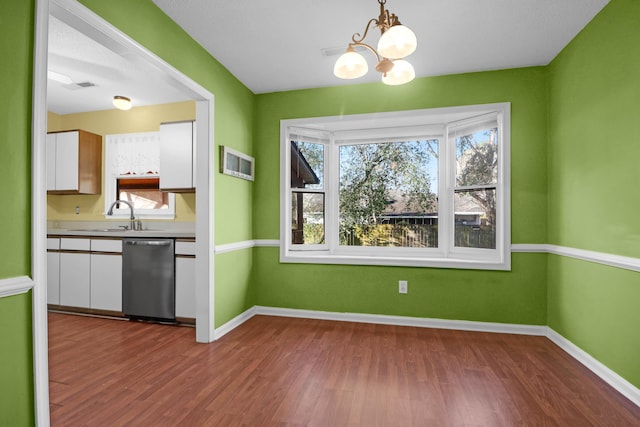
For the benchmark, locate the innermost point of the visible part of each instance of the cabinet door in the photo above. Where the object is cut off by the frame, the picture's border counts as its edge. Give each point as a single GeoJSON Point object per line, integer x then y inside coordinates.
{"type": "Point", "coordinates": [106, 282]}
{"type": "Point", "coordinates": [51, 161]}
{"type": "Point", "coordinates": [75, 279]}
{"type": "Point", "coordinates": [53, 278]}
{"type": "Point", "coordinates": [67, 152]}
{"type": "Point", "coordinates": [185, 287]}
{"type": "Point", "coordinates": [176, 155]}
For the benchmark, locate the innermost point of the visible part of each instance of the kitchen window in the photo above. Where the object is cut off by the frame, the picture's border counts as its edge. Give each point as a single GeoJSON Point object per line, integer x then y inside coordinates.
{"type": "Point", "coordinates": [132, 173]}
{"type": "Point", "coordinates": [417, 188]}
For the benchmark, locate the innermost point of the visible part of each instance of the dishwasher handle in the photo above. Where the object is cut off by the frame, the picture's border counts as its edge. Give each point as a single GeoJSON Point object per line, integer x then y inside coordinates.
{"type": "Point", "coordinates": [148, 242]}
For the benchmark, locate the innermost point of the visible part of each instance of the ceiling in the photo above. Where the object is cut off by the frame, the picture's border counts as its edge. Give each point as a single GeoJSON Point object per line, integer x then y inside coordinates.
{"type": "Point", "coordinates": [98, 73]}
{"type": "Point", "coordinates": [282, 44]}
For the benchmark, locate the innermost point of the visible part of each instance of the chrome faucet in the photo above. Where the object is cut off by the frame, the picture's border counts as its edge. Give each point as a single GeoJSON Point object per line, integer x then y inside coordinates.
{"type": "Point", "coordinates": [133, 217]}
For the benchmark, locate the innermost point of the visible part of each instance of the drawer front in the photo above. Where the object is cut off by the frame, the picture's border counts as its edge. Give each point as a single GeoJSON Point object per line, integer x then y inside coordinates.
{"type": "Point", "coordinates": [185, 248]}
{"type": "Point", "coordinates": [75, 244]}
{"type": "Point", "coordinates": [53, 243]}
{"type": "Point", "coordinates": [104, 245]}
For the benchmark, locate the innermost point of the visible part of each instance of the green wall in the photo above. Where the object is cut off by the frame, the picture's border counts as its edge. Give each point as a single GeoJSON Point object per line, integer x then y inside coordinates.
{"type": "Point", "coordinates": [16, 354]}
{"type": "Point", "coordinates": [593, 187]}
{"type": "Point", "coordinates": [16, 367]}
{"type": "Point", "coordinates": [519, 296]}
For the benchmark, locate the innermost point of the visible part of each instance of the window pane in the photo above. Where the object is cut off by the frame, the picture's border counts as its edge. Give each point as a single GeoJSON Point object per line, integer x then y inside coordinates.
{"type": "Point", "coordinates": [388, 194]}
{"type": "Point", "coordinates": [307, 218]}
{"type": "Point", "coordinates": [477, 158]}
{"type": "Point", "coordinates": [307, 165]}
{"type": "Point", "coordinates": [245, 166]}
{"type": "Point", "coordinates": [233, 162]}
{"type": "Point", "coordinates": [475, 218]}
{"type": "Point", "coordinates": [142, 193]}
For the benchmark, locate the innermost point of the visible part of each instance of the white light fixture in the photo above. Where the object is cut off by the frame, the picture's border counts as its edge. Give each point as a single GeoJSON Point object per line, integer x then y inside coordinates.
{"type": "Point", "coordinates": [401, 73]}
{"type": "Point", "coordinates": [122, 102]}
{"type": "Point", "coordinates": [396, 42]}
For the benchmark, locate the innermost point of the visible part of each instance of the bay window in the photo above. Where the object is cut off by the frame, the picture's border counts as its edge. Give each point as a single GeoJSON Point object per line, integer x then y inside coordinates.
{"type": "Point", "coordinates": [415, 188]}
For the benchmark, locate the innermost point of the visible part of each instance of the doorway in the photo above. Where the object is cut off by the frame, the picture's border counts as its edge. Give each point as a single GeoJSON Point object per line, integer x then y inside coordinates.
{"type": "Point", "coordinates": [92, 25]}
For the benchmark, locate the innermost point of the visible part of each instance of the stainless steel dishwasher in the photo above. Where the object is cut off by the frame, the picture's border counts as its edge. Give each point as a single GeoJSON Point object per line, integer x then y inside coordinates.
{"type": "Point", "coordinates": [148, 279]}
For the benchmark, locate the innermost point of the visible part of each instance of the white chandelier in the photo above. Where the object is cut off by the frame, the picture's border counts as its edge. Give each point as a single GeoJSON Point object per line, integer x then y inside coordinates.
{"type": "Point", "coordinates": [396, 42]}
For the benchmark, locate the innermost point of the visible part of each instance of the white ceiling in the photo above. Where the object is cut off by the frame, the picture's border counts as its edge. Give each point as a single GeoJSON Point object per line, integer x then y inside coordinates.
{"type": "Point", "coordinates": [278, 45]}
{"type": "Point", "coordinates": [113, 72]}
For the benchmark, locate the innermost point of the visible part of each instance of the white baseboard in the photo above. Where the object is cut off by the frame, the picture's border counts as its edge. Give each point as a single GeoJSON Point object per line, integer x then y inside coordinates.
{"type": "Point", "coordinates": [623, 386]}
{"type": "Point", "coordinates": [234, 323]}
{"type": "Point", "coordinates": [460, 325]}
{"type": "Point", "coordinates": [15, 286]}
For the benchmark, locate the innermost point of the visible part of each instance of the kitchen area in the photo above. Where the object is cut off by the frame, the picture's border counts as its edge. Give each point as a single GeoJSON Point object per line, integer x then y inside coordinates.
{"type": "Point", "coordinates": [122, 243]}
{"type": "Point", "coordinates": [121, 197]}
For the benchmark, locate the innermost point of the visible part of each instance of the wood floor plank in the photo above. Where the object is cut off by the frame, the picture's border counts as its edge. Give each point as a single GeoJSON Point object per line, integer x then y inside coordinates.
{"type": "Point", "coordinates": [274, 371]}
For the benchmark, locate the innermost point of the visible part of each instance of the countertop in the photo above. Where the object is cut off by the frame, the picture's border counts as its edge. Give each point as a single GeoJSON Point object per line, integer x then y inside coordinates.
{"type": "Point", "coordinates": [112, 229]}
{"type": "Point", "coordinates": [121, 233]}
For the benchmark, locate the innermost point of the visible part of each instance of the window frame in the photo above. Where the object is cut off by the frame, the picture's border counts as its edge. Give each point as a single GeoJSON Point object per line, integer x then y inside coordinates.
{"type": "Point", "coordinates": [426, 123]}
{"type": "Point", "coordinates": [111, 185]}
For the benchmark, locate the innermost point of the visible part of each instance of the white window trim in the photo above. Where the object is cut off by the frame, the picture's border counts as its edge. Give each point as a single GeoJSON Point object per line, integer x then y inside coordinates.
{"type": "Point", "coordinates": [414, 122]}
{"type": "Point", "coordinates": [110, 185]}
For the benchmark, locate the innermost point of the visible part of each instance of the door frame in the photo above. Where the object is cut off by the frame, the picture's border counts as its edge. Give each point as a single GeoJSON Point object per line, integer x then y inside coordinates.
{"type": "Point", "coordinates": [93, 25]}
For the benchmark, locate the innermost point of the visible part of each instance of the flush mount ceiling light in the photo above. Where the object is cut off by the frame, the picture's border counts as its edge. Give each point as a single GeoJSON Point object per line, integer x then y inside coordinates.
{"type": "Point", "coordinates": [122, 102]}
{"type": "Point", "coordinates": [396, 42]}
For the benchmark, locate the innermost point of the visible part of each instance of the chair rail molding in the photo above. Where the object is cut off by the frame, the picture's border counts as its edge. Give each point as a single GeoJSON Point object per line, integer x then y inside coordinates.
{"type": "Point", "coordinates": [15, 286]}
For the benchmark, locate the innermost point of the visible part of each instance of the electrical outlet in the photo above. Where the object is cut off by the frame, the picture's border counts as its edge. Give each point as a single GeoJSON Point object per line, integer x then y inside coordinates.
{"type": "Point", "coordinates": [403, 286]}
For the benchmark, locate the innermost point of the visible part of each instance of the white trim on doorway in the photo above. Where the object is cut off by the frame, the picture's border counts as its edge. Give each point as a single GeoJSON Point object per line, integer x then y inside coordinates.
{"type": "Point", "coordinates": [76, 14]}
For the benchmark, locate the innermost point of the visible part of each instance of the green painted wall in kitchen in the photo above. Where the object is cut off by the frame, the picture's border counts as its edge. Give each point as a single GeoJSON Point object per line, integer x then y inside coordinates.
{"type": "Point", "coordinates": [593, 186]}
{"type": "Point", "coordinates": [518, 296]}
{"type": "Point", "coordinates": [16, 354]}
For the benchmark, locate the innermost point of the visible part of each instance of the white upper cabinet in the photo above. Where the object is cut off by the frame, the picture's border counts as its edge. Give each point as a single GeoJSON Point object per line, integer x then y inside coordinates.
{"type": "Point", "coordinates": [177, 156]}
{"type": "Point", "coordinates": [74, 162]}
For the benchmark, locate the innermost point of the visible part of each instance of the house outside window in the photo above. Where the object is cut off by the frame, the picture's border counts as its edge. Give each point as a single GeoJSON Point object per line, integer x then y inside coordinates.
{"type": "Point", "coordinates": [415, 188]}
{"type": "Point", "coordinates": [132, 173]}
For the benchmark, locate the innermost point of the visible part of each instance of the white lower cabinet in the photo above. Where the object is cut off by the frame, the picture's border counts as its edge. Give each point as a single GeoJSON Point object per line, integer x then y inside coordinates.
{"type": "Point", "coordinates": [87, 273]}
{"type": "Point", "coordinates": [75, 276]}
{"type": "Point", "coordinates": [185, 287]}
{"type": "Point", "coordinates": [75, 269]}
{"type": "Point", "coordinates": [106, 282]}
{"type": "Point", "coordinates": [53, 271]}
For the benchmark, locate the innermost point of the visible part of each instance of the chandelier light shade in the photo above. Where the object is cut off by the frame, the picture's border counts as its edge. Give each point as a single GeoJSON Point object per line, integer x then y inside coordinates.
{"type": "Point", "coordinates": [350, 65]}
{"type": "Point", "coordinates": [401, 73]}
{"type": "Point", "coordinates": [396, 42]}
{"type": "Point", "coordinates": [122, 102]}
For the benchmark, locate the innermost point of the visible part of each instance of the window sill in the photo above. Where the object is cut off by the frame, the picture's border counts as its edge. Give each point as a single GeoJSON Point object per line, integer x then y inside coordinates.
{"type": "Point", "coordinates": [503, 264]}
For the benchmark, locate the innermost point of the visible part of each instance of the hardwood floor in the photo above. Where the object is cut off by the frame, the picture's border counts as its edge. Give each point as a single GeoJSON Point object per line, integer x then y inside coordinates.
{"type": "Point", "coordinates": [274, 371]}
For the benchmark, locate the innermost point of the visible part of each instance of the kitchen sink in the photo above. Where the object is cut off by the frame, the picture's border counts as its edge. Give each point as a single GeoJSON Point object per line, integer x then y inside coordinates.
{"type": "Point", "coordinates": [111, 230]}
{"type": "Point", "coordinates": [102, 230]}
